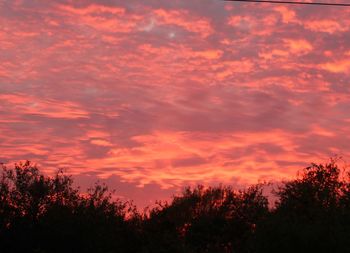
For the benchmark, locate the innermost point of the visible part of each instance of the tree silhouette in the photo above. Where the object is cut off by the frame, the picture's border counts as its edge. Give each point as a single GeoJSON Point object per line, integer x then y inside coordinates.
{"type": "Point", "coordinates": [207, 220]}
{"type": "Point", "coordinates": [309, 213]}
{"type": "Point", "coordinates": [46, 214]}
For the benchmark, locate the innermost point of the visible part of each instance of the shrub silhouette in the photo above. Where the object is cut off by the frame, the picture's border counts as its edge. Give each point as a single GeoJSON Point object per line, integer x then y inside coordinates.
{"type": "Point", "coordinates": [47, 214]}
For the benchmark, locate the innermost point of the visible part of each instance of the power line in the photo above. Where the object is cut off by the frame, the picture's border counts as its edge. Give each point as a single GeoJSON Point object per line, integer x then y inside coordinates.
{"type": "Point", "coordinates": [291, 2]}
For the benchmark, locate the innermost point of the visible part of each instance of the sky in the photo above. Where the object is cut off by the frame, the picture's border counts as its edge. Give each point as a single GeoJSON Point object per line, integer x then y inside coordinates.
{"type": "Point", "coordinates": [151, 96]}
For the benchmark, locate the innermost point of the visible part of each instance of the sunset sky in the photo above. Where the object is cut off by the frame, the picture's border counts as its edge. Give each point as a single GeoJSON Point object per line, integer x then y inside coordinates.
{"type": "Point", "coordinates": [150, 96]}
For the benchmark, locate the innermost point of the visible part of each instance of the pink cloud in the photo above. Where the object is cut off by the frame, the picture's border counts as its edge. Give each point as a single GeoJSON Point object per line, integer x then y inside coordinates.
{"type": "Point", "coordinates": [157, 95]}
{"type": "Point", "coordinates": [186, 20]}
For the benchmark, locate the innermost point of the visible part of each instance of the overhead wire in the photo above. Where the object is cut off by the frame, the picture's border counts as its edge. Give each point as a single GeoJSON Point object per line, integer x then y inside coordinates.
{"type": "Point", "coordinates": [292, 2]}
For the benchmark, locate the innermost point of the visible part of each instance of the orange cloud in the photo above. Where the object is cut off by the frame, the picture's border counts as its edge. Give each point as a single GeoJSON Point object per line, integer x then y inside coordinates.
{"type": "Point", "coordinates": [341, 66]}
{"type": "Point", "coordinates": [186, 20]}
{"type": "Point", "coordinates": [326, 25]}
{"type": "Point", "coordinates": [298, 46]}
{"type": "Point", "coordinates": [49, 108]}
{"type": "Point", "coordinates": [210, 157]}
{"type": "Point", "coordinates": [102, 18]}
{"type": "Point", "coordinates": [168, 93]}
{"type": "Point", "coordinates": [288, 15]}
{"type": "Point", "coordinates": [209, 54]}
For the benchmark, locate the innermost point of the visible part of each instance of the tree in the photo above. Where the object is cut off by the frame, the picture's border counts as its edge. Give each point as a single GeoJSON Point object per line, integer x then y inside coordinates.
{"type": "Point", "coordinates": [307, 215]}
{"type": "Point", "coordinates": [43, 214]}
{"type": "Point", "coordinates": [47, 214]}
{"type": "Point", "coordinates": [214, 219]}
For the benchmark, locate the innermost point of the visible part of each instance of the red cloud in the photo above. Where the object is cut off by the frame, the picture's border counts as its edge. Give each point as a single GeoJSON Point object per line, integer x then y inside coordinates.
{"type": "Point", "coordinates": [163, 94]}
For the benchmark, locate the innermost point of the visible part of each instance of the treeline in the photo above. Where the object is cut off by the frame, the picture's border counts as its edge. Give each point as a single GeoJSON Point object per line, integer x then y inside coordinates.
{"type": "Point", "coordinates": [47, 214]}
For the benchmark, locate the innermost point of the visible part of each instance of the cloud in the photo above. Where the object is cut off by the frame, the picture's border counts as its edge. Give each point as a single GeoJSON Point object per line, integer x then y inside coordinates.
{"type": "Point", "coordinates": [184, 19]}
{"type": "Point", "coordinates": [160, 94]}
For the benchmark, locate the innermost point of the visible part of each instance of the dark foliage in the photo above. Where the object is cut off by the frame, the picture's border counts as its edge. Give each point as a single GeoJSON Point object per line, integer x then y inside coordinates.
{"type": "Point", "coordinates": [311, 214]}
{"type": "Point", "coordinates": [43, 214]}
{"type": "Point", "coordinates": [47, 214]}
{"type": "Point", "coordinates": [206, 220]}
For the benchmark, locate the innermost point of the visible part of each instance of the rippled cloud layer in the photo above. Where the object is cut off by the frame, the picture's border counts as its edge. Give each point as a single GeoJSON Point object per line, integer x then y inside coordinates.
{"type": "Point", "coordinates": [154, 95]}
